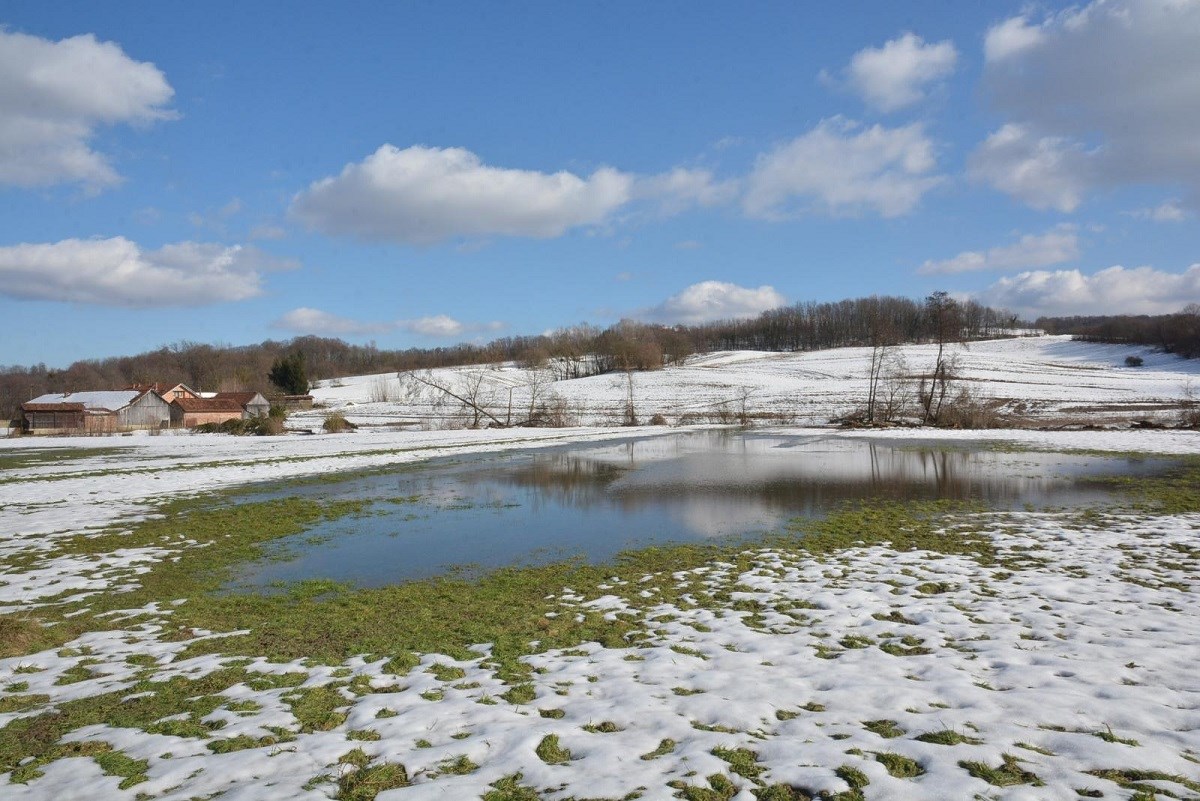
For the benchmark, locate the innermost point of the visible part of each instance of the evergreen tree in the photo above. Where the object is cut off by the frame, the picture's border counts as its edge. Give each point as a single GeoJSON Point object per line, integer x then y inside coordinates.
{"type": "Point", "coordinates": [290, 375]}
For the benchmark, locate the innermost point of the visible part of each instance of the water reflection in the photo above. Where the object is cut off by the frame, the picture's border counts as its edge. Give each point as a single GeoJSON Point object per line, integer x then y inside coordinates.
{"type": "Point", "coordinates": [592, 501]}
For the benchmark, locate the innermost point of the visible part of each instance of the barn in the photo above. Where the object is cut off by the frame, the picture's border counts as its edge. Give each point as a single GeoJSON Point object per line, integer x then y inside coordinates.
{"type": "Point", "coordinates": [191, 412]}
{"type": "Point", "coordinates": [95, 412]}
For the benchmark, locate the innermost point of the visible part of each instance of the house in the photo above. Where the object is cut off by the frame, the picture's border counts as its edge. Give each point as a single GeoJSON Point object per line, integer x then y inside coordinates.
{"type": "Point", "coordinates": [168, 393]}
{"type": "Point", "coordinates": [253, 403]}
{"type": "Point", "coordinates": [95, 412]}
{"type": "Point", "coordinates": [191, 412]}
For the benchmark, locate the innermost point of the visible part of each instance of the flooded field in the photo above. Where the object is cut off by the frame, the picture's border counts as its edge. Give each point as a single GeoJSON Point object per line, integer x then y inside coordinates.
{"type": "Point", "coordinates": [592, 501]}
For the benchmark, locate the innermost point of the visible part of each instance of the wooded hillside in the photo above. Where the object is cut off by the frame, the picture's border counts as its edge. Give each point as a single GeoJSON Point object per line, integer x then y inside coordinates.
{"type": "Point", "coordinates": [574, 352]}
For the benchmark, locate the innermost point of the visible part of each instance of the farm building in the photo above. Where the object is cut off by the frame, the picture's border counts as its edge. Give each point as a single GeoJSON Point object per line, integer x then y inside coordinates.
{"type": "Point", "coordinates": [296, 403]}
{"type": "Point", "coordinates": [167, 391]}
{"type": "Point", "coordinates": [95, 412]}
{"type": "Point", "coordinates": [253, 403]}
{"type": "Point", "coordinates": [191, 412]}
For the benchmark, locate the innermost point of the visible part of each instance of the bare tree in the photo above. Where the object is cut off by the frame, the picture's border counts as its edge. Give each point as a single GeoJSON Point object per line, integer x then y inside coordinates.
{"type": "Point", "coordinates": [944, 316]}
{"type": "Point", "coordinates": [744, 394]}
{"type": "Point", "coordinates": [629, 415]}
{"type": "Point", "coordinates": [537, 385]}
{"type": "Point", "coordinates": [895, 390]}
{"type": "Point", "coordinates": [473, 396]}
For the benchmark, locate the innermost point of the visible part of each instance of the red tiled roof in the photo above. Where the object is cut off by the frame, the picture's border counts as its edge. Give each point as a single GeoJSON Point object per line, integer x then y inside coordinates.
{"type": "Point", "coordinates": [242, 398]}
{"type": "Point", "coordinates": [52, 407]}
{"type": "Point", "coordinates": [207, 405]}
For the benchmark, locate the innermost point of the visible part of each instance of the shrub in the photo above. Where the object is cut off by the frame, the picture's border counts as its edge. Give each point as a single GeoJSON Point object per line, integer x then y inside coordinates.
{"type": "Point", "coordinates": [256, 426]}
{"type": "Point", "coordinates": [1133, 361]}
{"type": "Point", "coordinates": [336, 423]}
{"type": "Point", "coordinates": [268, 426]}
{"type": "Point", "coordinates": [658, 420]}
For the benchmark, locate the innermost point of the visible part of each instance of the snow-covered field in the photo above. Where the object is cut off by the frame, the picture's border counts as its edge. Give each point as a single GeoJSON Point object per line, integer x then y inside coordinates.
{"type": "Point", "coordinates": [1066, 668]}
{"type": "Point", "coordinates": [1048, 378]}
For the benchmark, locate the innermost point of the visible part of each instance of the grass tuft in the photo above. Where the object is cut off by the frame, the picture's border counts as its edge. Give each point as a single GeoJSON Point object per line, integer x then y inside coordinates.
{"type": "Point", "coordinates": [550, 752]}
{"type": "Point", "coordinates": [1007, 774]}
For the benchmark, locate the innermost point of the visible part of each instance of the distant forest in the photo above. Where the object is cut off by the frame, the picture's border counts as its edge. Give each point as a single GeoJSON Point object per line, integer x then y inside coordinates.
{"type": "Point", "coordinates": [571, 353]}
{"type": "Point", "coordinates": [1177, 333]}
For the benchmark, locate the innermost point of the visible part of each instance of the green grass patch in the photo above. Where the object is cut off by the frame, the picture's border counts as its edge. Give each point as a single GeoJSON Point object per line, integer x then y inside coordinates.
{"type": "Point", "coordinates": [21, 703]}
{"type": "Point", "coordinates": [947, 737]}
{"type": "Point", "coordinates": [886, 729]}
{"type": "Point", "coordinates": [900, 766]}
{"type": "Point", "coordinates": [550, 752]}
{"type": "Point", "coordinates": [664, 747]}
{"type": "Point", "coordinates": [370, 780]}
{"type": "Point", "coordinates": [317, 708]}
{"type": "Point", "coordinates": [510, 789]}
{"type": "Point", "coordinates": [459, 766]}
{"type": "Point", "coordinates": [604, 727]}
{"type": "Point", "coordinates": [38, 457]}
{"type": "Point", "coordinates": [742, 761]}
{"type": "Point", "coordinates": [1136, 780]}
{"type": "Point", "coordinates": [447, 672]}
{"type": "Point", "coordinates": [1007, 774]}
{"type": "Point", "coordinates": [720, 788]}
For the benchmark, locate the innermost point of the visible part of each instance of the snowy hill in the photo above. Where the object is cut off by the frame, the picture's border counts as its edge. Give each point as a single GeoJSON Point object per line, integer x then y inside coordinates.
{"type": "Point", "coordinates": [1047, 379]}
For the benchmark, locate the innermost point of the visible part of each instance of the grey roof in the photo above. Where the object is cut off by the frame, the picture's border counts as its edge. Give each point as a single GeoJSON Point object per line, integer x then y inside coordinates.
{"type": "Point", "coordinates": [109, 400]}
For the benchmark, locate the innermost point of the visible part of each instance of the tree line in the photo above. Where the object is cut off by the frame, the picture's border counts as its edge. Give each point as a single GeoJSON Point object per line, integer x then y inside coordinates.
{"type": "Point", "coordinates": [1177, 333]}
{"type": "Point", "coordinates": [572, 352]}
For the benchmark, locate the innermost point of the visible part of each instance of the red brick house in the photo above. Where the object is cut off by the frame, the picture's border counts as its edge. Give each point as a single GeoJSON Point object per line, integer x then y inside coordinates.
{"type": "Point", "coordinates": [168, 393]}
{"type": "Point", "coordinates": [191, 412]}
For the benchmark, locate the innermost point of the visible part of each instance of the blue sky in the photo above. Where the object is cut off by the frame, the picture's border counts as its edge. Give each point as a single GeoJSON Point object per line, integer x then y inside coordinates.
{"type": "Point", "coordinates": [419, 174]}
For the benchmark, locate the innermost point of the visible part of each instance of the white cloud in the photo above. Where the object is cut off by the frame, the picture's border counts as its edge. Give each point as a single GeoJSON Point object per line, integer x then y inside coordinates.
{"type": "Point", "coordinates": [439, 325]}
{"type": "Point", "coordinates": [895, 76]}
{"type": "Point", "coordinates": [53, 97]}
{"type": "Point", "coordinates": [1010, 38]}
{"type": "Point", "coordinates": [1049, 172]}
{"type": "Point", "coordinates": [842, 168]}
{"type": "Point", "coordinates": [1056, 246]}
{"type": "Point", "coordinates": [714, 300]}
{"type": "Point", "coordinates": [1097, 97]}
{"type": "Point", "coordinates": [314, 321]}
{"type": "Point", "coordinates": [425, 195]}
{"type": "Point", "coordinates": [1116, 290]}
{"type": "Point", "coordinates": [116, 272]}
{"type": "Point", "coordinates": [1168, 211]}
{"type": "Point", "coordinates": [679, 189]}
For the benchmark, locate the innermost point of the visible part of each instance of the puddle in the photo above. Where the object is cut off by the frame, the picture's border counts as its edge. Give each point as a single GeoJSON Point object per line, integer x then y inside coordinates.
{"type": "Point", "coordinates": [591, 501]}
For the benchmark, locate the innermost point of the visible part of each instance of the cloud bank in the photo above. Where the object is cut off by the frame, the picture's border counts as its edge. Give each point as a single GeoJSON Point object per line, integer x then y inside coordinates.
{"type": "Point", "coordinates": [1097, 96]}
{"type": "Point", "coordinates": [1056, 246]}
{"type": "Point", "coordinates": [714, 300]}
{"type": "Point", "coordinates": [53, 97]}
{"type": "Point", "coordinates": [1116, 290]}
{"type": "Point", "coordinates": [117, 272]}
{"type": "Point", "coordinates": [842, 168]}
{"type": "Point", "coordinates": [306, 320]}
{"type": "Point", "coordinates": [423, 195]}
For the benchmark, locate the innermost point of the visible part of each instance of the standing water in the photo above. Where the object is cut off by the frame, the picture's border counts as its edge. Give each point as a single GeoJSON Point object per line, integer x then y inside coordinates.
{"type": "Point", "coordinates": [592, 501]}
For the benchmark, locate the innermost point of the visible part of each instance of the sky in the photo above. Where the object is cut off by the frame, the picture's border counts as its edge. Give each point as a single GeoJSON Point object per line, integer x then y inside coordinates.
{"type": "Point", "coordinates": [425, 173]}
